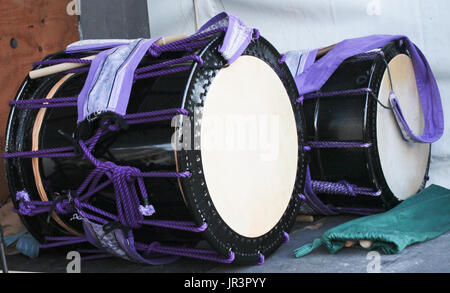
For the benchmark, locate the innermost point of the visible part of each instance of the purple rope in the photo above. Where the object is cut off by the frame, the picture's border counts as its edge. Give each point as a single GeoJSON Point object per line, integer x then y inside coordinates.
{"type": "Point", "coordinates": [195, 58]}
{"type": "Point", "coordinates": [286, 237]}
{"type": "Point", "coordinates": [161, 72]}
{"type": "Point", "coordinates": [61, 241]}
{"type": "Point", "coordinates": [63, 60]}
{"type": "Point", "coordinates": [352, 92]}
{"type": "Point", "coordinates": [204, 254]}
{"type": "Point", "coordinates": [342, 187]}
{"type": "Point", "coordinates": [261, 259]}
{"type": "Point", "coordinates": [45, 103]}
{"type": "Point", "coordinates": [77, 70]}
{"type": "Point", "coordinates": [337, 144]}
{"type": "Point", "coordinates": [188, 44]}
{"type": "Point", "coordinates": [368, 56]}
{"type": "Point", "coordinates": [96, 256]}
{"type": "Point", "coordinates": [53, 152]}
{"type": "Point", "coordinates": [358, 211]}
{"type": "Point", "coordinates": [156, 113]}
{"type": "Point", "coordinates": [186, 226]}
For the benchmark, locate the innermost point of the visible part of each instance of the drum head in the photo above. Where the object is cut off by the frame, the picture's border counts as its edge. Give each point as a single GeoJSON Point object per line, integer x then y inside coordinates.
{"type": "Point", "coordinates": [404, 164]}
{"type": "Point", "coordinates": [249, 146]}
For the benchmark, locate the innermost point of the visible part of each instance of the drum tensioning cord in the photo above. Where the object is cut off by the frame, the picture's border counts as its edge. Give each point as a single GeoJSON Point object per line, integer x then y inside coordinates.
{"type": "Point", "coordinates": [2, 251]}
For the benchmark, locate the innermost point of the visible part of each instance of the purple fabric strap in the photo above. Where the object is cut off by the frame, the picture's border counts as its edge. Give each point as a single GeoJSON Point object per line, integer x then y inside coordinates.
{"type": "Point", "coordinates": [237, 35]}
{"type": "Point", "coordinates": [314, 77]}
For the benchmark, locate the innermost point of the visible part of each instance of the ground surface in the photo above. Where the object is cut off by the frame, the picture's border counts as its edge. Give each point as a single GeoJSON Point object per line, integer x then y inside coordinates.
{"type": "Point", "coordinates": [431, 256]}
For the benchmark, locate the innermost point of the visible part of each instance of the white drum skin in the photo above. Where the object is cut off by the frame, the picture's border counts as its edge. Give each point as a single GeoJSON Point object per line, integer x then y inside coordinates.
{"type": "Point", "coordinates": [404, 164]}
{"type": "Point", "coordinates": [249, 146]}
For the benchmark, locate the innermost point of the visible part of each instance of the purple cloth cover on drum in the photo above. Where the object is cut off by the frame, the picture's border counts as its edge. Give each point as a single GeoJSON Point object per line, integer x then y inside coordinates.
{"type": "Point", "coordinates": [117, 243]}
{"type": "Point", "coordinates": [110, 79]}
{"type": "Point", "coordinates": [316, 75]}
{"type": "Point", "coordinates": [112, 72]}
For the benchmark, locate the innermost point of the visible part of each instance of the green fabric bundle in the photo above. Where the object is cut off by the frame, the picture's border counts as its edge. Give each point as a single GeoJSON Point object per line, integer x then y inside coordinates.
{"type": "Point", "coordinates": [419, 218]}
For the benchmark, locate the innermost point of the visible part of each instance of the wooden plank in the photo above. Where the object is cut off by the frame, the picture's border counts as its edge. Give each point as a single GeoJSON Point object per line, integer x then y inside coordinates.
{"type": "Point", "coordinates": [35, 28]}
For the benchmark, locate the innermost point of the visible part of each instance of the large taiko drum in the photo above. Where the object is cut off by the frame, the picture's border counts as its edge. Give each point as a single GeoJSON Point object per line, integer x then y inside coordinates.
{"type": "Point", "coordinates": [180, 166]}
{"type": "Point", "coordinates": [363, 157]}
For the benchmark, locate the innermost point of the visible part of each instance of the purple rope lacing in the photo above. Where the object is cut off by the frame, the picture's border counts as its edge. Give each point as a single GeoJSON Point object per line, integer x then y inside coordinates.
{"type": "Point", "coordinates": [368, 56]}
{"type": "Point", "coordinates": [338, 144]}
{"type": "Point", "coordinates": [342, 187]}
{"type": "Point", "coordinates": [352, 92]}
{"type": "Point", "coordinates": [261, 259]}
{"type": "Point", "coordinates": [126, 181]}
{"type": "Point", "coordinates": [62, 240]}
{"type": "Point", "coordinates": [45, 103]}
{"type": "Point", "coordinates": [144, 117]}
{"type": "Point", "coordinates": [204, 254]}
{"type": "Point", "coordinates": [63, 60]}
{"type": "Point", "coordinates": [188, 44]}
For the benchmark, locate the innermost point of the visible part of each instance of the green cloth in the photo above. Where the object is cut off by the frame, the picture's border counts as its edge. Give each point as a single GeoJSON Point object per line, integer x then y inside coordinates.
{"type": "Point", "coordinates": [419, 218]}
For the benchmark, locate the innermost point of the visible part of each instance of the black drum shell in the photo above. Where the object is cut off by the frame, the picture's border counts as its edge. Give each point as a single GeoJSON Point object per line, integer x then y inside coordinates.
{"type": "Point", "coordinates": [351, 119]}
{"type": "Point", "coordinates": [166, 193]}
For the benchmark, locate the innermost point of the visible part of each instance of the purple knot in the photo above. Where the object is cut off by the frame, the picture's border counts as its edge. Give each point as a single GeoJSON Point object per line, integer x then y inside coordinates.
{"type": "Point", "coordinates": [153, 50]}
{"type": "Point", "coordinates": [25, 206]}
{"type": "Point", "coordinates": [300, 100]}
{"type": "Point", "coordinates": [286, 237]}
{"type": "Point", "coordinates": [22, 196]}
{"type": "Point", "coordinates": [147, 210]}
{"type": "Point", "coordinates": [120, 172]}
{"type": "Point", "coordinates": [256, 34]}
{"type": "Point", "coordinates": [282, 59]}
{"type": "Point", "coordinates": [151, 247]}
{"type": "Point", "coordinates": [349, 187]}
{"type": "Point", "coordinates": [63, 207]}
{"type": "Point", "coordinates": [301, 196]}
{"type": "Point", "coordinates": [261, 259]}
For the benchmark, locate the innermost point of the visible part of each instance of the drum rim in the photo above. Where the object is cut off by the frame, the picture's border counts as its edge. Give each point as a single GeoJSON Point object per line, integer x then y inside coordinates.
{"type": "Point", "coordinates": [390, 50]}
{"type": "Point", "coordinates": [194, 200]}
{"type": "Point", "coordinates": [29, 89]}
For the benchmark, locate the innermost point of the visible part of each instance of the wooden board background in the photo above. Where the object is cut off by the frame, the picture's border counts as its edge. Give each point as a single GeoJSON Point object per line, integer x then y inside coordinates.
{"type": "Point", "coordinates": [40, 27]}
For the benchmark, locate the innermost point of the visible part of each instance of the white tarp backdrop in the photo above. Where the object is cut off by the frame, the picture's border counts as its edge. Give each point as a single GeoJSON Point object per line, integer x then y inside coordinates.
{"type": "Point", "coordinates": [303, 24]}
